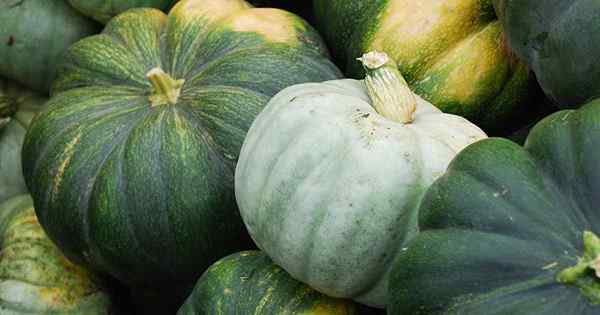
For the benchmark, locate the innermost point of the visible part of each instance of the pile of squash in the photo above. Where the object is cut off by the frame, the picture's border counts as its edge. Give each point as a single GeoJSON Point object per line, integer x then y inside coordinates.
{"type": "Point", "coordinates": [325, 157]}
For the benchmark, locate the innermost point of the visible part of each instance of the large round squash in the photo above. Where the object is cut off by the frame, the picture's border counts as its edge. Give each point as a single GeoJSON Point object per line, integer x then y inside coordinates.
{"type": "Point", "coordinates": [510, 229]}
{"type": "Point", "coordinates": [131, 167]}
{"type": "Point", "coordinates": [35, 277]}
{"type": "Point", "coordinates": [33, 36]}
{"type": "Point", "coordinates": [331, 174]}
{"type": "Point", "coordinates": [17, 107]}
{"type": "Point", "coordinates": [250, 283]}
{"type": "Point", "coordinates": [103, 10]}
{"type": "Point", "coordinates": [452, 53]}
{"type": "Point", "coordinates": [558, 39]}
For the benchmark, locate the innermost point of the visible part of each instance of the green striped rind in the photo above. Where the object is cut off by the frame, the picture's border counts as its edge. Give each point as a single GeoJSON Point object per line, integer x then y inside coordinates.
{"type": "Point", "coordinates": [452, 53]}
{"type": "Point", "coordinates": [102, 10]}
{"type": "Point", "coordinates": [503, 221]}
{"type": "Point", "coordinates": [33, 36]}
{"type": "Point", "coordinates": [17, 107]}
{"type": "Point", "coordinates": [250, 283]}
{"type": "Point", "coordinates": [35, 278]}
{"type": "Point", "coordinates": [146, 193]}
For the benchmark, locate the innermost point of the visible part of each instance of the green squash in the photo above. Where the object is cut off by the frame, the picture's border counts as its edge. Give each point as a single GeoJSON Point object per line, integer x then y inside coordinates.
{"type": "Point", "coordinates": [250, 283]}
{"type": "Point", "coordinates": [35, 277]}
{"type": "Point", "coordinates": [132, 165]}
{"type": "Point", "coordinates": [558, 39]}
{"type": "Point", "coordinates": [452, 53]}
{"type": "Point", "coordinates": [331, 174]}
{"type": "Point", "coordinates": [510, 229]}
{"type": "Point", "coordinates": [17, 107]}
{"type": "Point", "coordinates": [33, 36]}
{"type": "Point", "coordinates": [103, 10]}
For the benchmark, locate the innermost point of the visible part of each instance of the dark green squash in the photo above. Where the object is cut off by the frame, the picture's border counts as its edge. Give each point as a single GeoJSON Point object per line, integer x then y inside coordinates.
{"type": "Point", "coordinates": [35, 277]}
{"type": "Point", "coordinates": [33, 36]}
{"type": "Point", "coordinates": [250, 283]}
{"type": "Point", "coordinates": [132, 166]}
{"type": "Point", "coordinates": [103, 10]}
{"type": "Point", "coordinates": [559, 40]}
{"type": "Point", "coordinates": [502, 230]}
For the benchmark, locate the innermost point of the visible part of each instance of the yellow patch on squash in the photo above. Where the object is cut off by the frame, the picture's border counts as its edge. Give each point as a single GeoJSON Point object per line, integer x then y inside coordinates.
{"type": "Point", "coordinates": [273, 24]}
{"type": "Point", "coordinates": [332, 307]}
{"type": "Point", "coordinates": [67, 155]}
{"type": "Point", "coordinates": [211, 10]}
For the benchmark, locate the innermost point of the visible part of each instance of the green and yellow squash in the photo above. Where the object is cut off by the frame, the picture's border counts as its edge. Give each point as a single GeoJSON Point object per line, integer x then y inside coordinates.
{"type": "Point", "coordinates": [250, 283]}
{"type": "Point", "coordinates": [33, 36]}
{"type": "Point", "coordinates": [510, 229]}
{"type": "Point", "coordinates": [131, 167]}
{"type": "Point", "coordinates": [331, 174]}
{"type": "Point", "coordinates": [17, 108]}
{"type": "Point", "coordinates": [103, 10]}
{"type": "Point", "coordinates": [452, 53]}
{"type": "Point", "coordinates": [35, 277]}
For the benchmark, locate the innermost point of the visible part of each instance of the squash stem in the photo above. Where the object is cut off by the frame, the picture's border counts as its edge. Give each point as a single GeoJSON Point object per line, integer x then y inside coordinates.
{"type": "Point", "coordinates": [165, 89]}
{"type": "Point", "coordinates": [586, 273]}
{"type": "Point", "coordinates": [389, 92]}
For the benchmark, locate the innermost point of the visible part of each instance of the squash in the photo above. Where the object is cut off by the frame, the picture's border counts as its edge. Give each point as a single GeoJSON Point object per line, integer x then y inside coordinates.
{"type": "Point", "coordinates": [330, 176]}
{"type": "Point", "coordinates": [17, 108]}
{"type": "Point", "coordinates": [250, 283]}
{"type": "Point", "coordinates": [557, 39]}
{"type": "Point", "coordinates": [33, 36]}
{"type": "Point", "coordinates": [103, 10]}
{"type": "Point", "coordinates": [510, 229]}
{"type": "Point", "coordinates": [131, 167]}
{"type": "Point", "coordinates": [35, 278]}
{"type": "Point", "coordinates": [452, 53]}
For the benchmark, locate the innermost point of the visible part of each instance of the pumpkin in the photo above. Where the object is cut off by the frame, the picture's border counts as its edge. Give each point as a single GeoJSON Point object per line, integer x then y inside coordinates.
{"type": "Point", "coordinates": [17, 108]}
{"type": "Point", "coordinates": [510, 229]}
{"type": "Point", "coordinates": [557, 39]}
{"type": "Point", "coordinates": [131, 167]}
{"type": "Point", "coordinates": [33, 36]}
{"type": "Point", "coordinates": [35, 278]}
{"type": "Point", "coordinates": [452, 53]}
{"type": "Point", "coordinates": [102, 10]}
{"type": "Point", "coordinates": [330, 176]}
{"type": "Point", "coordinates": [250, 283]}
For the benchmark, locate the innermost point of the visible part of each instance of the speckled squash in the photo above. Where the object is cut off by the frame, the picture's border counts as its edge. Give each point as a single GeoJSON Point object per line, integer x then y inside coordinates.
{"type": "Point", "coordinates": [131, 167]}
{"type": "Point", "coordinates": [103, 10]}
{"type": "Point", "coordinates": [250, 283]}
{"type": "Point", "coordinates": [17, 107]}
{"type": "Point", "coordinates": [510, 229]}
{"type": "Point", "coordinates": [330, 177]}
{"type": "Point", "coordinates": [452, 53]}
{"type": "Point", "coordinates": [33, 36]}
{"type": "Point", "coordinates": [558, 39]}
{"type": "Point", "coordinates": [35, 277]}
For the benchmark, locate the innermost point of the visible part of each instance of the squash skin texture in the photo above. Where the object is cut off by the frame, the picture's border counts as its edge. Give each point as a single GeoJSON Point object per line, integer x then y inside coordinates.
{"type": "Point", "coordinates": [102, 10]}
{"type": "Point", "coordinates": [557, 39]}
{"type": "Point", "coordinates": [452, 53]}
{"type": "Point", "coordinates": [149, 189]}
{"type": "Point", "coordinates": [34, 34]}
{"type": "Point", "coordinates": [503, 221]}
{"type": "Point", "coordinates": [250, 283]}
{"type": "Point", "coordinates": [329, 189]}
{"type": "Point", "coordinates": [35, 278]}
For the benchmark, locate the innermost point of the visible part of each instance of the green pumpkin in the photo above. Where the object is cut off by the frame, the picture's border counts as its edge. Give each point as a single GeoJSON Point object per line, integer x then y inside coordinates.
{"type": "Point", "coordinates": [33, 36]}
{"type": "Point", "coordinates": [35, 277]}
{"type": "Point", "coordinates": [17, 107]}
{"type": "Point", "coordinates": [103, 10]}
{"type": "Point", "coordinates": [331, 174]}
{"type": "Point", "coordinates": [250, 283]}
{"type": "Point", "coordinates": [132, 165]}
{"type": "Point", "coordinates": [510, 229]}
{"type": "Point", "coordinates": [452, 53]}
{"type": "Point", "coordinates": [557, 38]}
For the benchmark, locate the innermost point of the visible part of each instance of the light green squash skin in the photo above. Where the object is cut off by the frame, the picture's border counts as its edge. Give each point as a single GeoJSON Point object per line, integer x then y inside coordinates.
{"type": "Point", "coordinates": [250, 283]}
{"type": "Point", "coordinates": [144, 192]}
{"type": "Point", "coordinates": [17, 108]}
{"type": "Point", "coordinates": [452, 53]}
{"type": "Point", "coordinates": [33, 36]}
{"type": "Point", "coordinates": [103, 10]}
{"type": "Point", "coordinates": [35, 277]}
{"type": "Point", "coordinates": [329, 188]}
